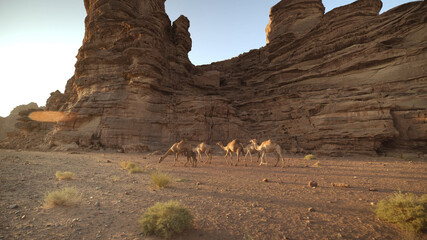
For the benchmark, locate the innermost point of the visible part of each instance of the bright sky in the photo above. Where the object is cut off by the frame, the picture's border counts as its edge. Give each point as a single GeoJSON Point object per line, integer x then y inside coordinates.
{"type": "Point", "coordinates": [40, 39]}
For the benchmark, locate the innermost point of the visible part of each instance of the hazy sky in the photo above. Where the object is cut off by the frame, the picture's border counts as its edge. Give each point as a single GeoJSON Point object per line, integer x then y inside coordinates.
{"type": "Point", "coordinates": [40, 39]}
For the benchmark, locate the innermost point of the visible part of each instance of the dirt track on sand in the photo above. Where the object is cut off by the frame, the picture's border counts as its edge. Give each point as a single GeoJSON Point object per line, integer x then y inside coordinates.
{"type": "Point", "coordinates": [227, 202]}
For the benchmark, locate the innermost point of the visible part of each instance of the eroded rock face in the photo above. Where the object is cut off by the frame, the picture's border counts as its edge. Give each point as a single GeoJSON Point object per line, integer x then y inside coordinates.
{"type": "Point", "coordinates": [292, 19]}
{"type": "Point", "coordinates": [348, 81]}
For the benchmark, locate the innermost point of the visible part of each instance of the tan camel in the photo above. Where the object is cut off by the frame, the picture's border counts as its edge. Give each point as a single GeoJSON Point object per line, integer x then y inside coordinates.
{"type": "Point", "coordinates": [181, 147]}
{"type": "Point", "coordinates": [206, 149]}
{"type": "Point", "coordinates": [269, 147]}
{"type": "Point", "coordinates": [233, 146]}
{"type": "Point", "coordinates": [249, 150]}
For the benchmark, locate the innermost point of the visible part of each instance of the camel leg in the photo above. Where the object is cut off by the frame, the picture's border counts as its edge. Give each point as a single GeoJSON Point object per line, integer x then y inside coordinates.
{"type": "Point", "coordinates": [194, 161]}
{"type": "Point", "coordinates": [200, 155]}
{"type": "Point", "coordinates": [278, 159]}
{"type": "Point", "coordinates": [226, 161]}
{"type": "Point", "coordinates": [207, 158]}
{"type": "Point", "coordinates": [262, 158]}
{"type": "Point", "coordinates": [176, 160]}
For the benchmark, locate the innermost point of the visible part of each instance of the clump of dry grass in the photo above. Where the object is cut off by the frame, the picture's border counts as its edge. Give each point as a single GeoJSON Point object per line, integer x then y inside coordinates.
{"type": "Point", "coordinates": [309, 157]}
{"type": "Point", "coordinates": [317, 164]}
{"type": "Point", "coordinates": [115, 178]}
{"type": "Point", "coordinates": [131, 167]}
{"type": "Point", "coordinates": [408, 211]}
{"type": "Point", "coordinates": [64, 197]}
{"type": "Point", "coordinates": [160, 179]}
{"type": "Point", "coordinates": [166, 220]}
{"type": "Point", "coordinates": [64, 175]}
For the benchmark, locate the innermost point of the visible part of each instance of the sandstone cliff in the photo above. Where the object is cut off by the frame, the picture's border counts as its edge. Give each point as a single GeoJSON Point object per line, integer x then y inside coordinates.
{"type": "Point", "coordinates": [350, 81]}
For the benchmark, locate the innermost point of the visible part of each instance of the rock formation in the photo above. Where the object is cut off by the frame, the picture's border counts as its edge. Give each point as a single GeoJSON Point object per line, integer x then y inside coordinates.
{"type": "Point", "coordinates": [350, 81]}
{"type": "Point", "coordinates": [7, 124]}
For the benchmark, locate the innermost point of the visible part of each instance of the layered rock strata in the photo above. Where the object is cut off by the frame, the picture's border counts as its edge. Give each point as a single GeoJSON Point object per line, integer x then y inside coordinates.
{"type": "Point", "coordinates": [350, 81]}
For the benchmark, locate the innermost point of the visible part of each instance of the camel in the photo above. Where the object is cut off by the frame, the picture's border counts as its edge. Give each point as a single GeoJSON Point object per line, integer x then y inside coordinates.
{"type": "Point", "coordinates": [233, 146]}
{"type": "Point", "coordinates": [268, 147]}
{"type": "Point", "coordinates": [204, 148]}
{"type": "Point", "coordinates": [182, 147]}
{"type": "Point", "coordinates": [249, 150]}
{"type": "Point", "coordinates": [191, 158]}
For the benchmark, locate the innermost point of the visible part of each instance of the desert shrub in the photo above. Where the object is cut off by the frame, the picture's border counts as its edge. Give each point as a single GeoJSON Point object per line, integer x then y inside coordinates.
{"type": "Point", "coordinates": [131, 167]}
{"type": "Point", "coordinates": [63, 197]}
{"type": "Point", "coordinates": [166, 219]}
{"type": "Point", "coordinates": [115, 178]}
{"type": "Point", "coordinates": [160, 179]}
{"type": "Point", "coordinates": [309, 157]}
{"type": "Point", "coordinates": [317, 164]}
{"type": "Point", "coordinates": [64, 175]}
{"type": "Point", "coordinates": [124, 164]}
{"type": "Point", "coordinates": [408, 211]}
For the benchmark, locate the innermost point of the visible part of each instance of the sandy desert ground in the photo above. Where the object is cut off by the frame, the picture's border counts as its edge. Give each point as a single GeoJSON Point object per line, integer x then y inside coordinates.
{"type": "Point", "coordinates": [227, 202]}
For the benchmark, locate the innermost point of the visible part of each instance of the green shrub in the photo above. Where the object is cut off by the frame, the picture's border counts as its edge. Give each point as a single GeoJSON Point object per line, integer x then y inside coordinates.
{"type": "Point", "coordinates": [406, 210]}
{"type": "Point", "coordinates": [309, 157]}
{"type": "Point", "coordinates": [166, 219]}
{"type": "Point", "coordinates": [63, 197]}
{"type": "Point", "coordinates": [160, 179]}
{"type": "Point", "coordinates": [64, 175]}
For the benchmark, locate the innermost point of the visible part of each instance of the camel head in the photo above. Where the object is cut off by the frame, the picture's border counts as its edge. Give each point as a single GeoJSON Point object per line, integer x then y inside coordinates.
{"type": "Point", "coordinates": [219, 143]}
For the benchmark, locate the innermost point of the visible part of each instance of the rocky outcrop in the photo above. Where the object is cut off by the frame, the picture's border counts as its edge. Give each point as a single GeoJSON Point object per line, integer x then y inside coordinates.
{"type": "Point", "coordinates": [343, 87]}
{"type": "Point", "coordinates": [292, 19]}
{"type": "Point", "coordinates": [350, 81]}
{"type": "Point", "coordinates": [7, 124]}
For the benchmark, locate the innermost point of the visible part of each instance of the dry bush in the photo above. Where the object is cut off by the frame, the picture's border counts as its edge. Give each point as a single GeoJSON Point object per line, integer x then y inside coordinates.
{"type": "Point", "coordinates": [131, 167]}
{"type": "Point", "coordinates": [160, 179]}
{"type": "Point", "coordinates": [166, 219]}
{"type": "Point", "coordinates": [309, 157]}
{"type": "Point", "coordinates": [63, 197]}
{"type": "Point", "coordinates": [317, 164]}
{"type": "Point", "coordinates": [64, 175]}
{"type": "Point", "coordinates": [115, 178]}
{"type": "Point", "coordinates": [406, 210]}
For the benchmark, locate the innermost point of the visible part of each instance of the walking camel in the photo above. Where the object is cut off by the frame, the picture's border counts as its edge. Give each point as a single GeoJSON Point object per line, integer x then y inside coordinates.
{"type": "Point", "coordinates": [206, 149]}
{"type": "Point", "coordinates": [233, 146]}
{"type": "Point", "coordinates": [268, 147]}
{"type": "Point", "coordinates": [249, 150]}
{"type": "Point", "coordinates": [182, 147]}
{"type": "Point", "coordinates": [191, 158]}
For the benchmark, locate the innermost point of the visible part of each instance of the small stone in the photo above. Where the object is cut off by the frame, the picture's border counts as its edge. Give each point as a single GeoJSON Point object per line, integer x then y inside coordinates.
{"type": "Point", "coordinates": [312, 184]}
{"type": "Point", "coordinates": [108, 161]}
{"type": "Point", "coordinates": [98, 188]}
{"type": "Point", "coordinates": [373, 189]}
{"type": "Point", "coordinates": [13, 206]}
{"type": "Point", "coordinates": [76, 219]}
{"type": "Point", "coordinates": [97, 204]}
{"type": "Point", "coordinates": [265, 180]}
{"type": "Point", "coordinates": [311, 210]}
{"type": "Point", "coordinates": [372, 203]}
{"type": "Point", "coordinates": [23, 216]}
{"type": "Point", "coordinates": [198, 183]}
